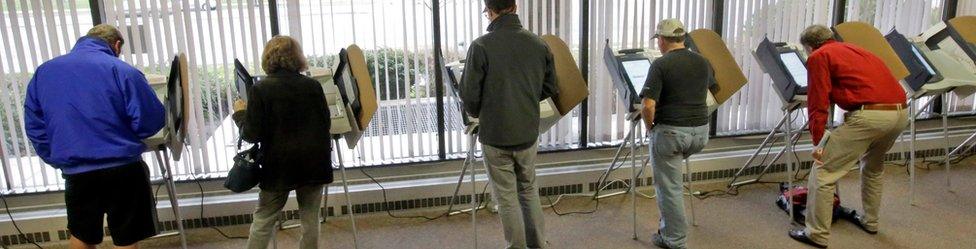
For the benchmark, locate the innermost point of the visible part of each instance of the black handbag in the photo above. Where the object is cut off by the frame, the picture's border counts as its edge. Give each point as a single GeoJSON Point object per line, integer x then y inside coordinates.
{"type": "Point", "coordinates": [246, 172]}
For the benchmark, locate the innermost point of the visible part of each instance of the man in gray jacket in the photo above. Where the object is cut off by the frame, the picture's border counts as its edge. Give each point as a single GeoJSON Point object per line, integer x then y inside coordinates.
{"type": "Point", "coordinates": [508, 71]}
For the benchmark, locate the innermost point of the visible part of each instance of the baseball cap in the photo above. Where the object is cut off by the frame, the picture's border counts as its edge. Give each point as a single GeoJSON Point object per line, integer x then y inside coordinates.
{"type": "Point", "coordinates": [670, 28]}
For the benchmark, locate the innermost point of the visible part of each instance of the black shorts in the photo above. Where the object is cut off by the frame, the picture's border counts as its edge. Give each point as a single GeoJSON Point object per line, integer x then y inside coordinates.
{"type": "Point", "coordinates": [123, 193]}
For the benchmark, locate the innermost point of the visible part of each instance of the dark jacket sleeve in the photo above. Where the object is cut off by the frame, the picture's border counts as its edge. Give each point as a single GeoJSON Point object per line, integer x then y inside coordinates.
{"type": "Point", "coordinates": [250, 120]}
{"type": "Point", "coordinates": [146, 113]}
{"type": "Point", "coordinates": [473, 80]}
{"type": "Point", "coordinates": [549, 88]}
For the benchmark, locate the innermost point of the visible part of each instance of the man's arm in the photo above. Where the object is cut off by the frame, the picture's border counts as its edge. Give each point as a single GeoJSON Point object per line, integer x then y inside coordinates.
{"type": "Point", "coordinates": [651, 93]}
{"type": "Point", "coordinates": [549, 88]}
{"type": "Point", "coordinates": [34, 122]}
{"type": "Point", "coordinates": [818, 95]}
{"type": "Point", "coordinates": [146, 113]}
{"type": "Point", "coordinates": [647, 112]}
{"type": "Point", "coordinates": [473, 79]}
{"type": "Point", "coordinates": [712, 82]}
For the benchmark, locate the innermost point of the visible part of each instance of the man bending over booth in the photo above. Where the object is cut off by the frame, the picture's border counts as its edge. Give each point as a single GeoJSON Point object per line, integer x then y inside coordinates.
{"type": "Point", "coordinates": [860, 83]}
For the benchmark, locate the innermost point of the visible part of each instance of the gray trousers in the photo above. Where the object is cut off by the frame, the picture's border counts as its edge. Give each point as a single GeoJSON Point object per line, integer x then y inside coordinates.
{"type": "Point", "coordinates": [670, 145]}
{"type": "Point", "coordinates": [512, 175]}
{"type": "Point", "coordinates": [270, 204]}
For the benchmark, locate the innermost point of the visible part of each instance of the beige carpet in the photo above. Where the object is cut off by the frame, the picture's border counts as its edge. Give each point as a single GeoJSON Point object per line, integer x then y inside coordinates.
{"type": "Point", "coordinates": [750, 220]}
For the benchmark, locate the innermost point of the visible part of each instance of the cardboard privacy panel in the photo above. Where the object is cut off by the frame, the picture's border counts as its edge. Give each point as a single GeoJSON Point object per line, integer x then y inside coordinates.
{"type": "Point", "coordinates": [966, 27]}
{"type": "Point", "coordinates": [728, 74]}
{"type": "Point", "coordinates": [367, 95]}
{"type": "Point", "coordinates": [572, 87]}
{"type": "Point", "coordinates": [866, 36]}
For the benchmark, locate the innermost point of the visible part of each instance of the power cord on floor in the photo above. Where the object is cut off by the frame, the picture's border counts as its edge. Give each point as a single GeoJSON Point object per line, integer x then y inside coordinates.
{"type": "Point", "coordinates": [450, 207]}
{"type": "Point", "coordinates": [14, 222]}
{"type": "Point", "coordinates": [199, 185]}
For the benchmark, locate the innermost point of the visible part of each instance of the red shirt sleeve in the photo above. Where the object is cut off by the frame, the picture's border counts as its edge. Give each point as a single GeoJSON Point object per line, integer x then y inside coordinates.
{"type": "Point", "coordinates": [818, 94]}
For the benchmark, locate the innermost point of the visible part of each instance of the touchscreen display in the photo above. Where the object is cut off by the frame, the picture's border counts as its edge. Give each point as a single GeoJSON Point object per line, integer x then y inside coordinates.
{"type": "Point", "coordinates": [796, 67]}
{"type": "Point", "coordinates": [637, 71]}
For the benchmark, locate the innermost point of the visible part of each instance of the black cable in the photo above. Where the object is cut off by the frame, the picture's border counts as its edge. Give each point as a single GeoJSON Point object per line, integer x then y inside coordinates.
{"type": "Point", "coordinates": [200, 186]}
{"type": "Point", "coordinates": [12, 221]}
{"type": "Point", "coordinates": [446, 213]}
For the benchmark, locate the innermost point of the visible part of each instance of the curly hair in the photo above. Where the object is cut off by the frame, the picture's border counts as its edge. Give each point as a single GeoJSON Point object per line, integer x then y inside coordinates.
{"type": "Point", "coordinates": [283, 53]}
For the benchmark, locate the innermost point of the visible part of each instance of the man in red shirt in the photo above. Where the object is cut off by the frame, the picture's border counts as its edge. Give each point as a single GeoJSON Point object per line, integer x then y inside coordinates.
{"type": "Point", "coordinates": [860, 83]}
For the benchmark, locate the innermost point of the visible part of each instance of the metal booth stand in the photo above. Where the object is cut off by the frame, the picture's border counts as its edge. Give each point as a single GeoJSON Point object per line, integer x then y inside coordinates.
{"type": "Point", "coordinates": [172, 91]}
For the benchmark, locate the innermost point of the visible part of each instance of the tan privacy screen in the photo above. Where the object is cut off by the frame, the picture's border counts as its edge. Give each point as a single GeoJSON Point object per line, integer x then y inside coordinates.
{"type": "Point", "coordinates": [727, 72]}
{"type": "Point", "coordinates": [966, 26]}
{"type": "Point", "coordinates": [367, 95]}
{"type": "Point", "coordinates": [866, 36]}
{"type": "Point", "coordinates": [569, 80]}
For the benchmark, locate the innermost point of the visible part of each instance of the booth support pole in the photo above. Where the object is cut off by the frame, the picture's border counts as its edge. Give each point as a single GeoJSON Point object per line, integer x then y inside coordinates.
{"type": "Point", "coordinates": [472, 142]}
{"type": "Point", "coordinates": [633, 171]}
{"type": "Point", "coordinates": [945, 139]}
{"type": "Point", "coordinates": [345, 189]}
{"type": "Point", "coordinates": [167, 174]}
{"type": "Point", "coordinates": [790, 159]}
{"type": "Point", "coordinates": [911, 153]}
{"type": "Point", "coordinates": [691, 192]}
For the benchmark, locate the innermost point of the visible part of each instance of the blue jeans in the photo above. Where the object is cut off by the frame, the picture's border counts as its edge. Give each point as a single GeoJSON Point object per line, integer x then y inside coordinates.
{"type": "Point", "coordinates": [670, 145]}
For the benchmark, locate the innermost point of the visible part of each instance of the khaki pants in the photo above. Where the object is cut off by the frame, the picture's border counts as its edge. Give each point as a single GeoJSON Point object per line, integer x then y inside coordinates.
{"type": "Point", "coordinates": [512, 175]}
{"type": "Point", "coordinates": [270, 204]}
{"type": "Point", "coordinates": [865, 136]}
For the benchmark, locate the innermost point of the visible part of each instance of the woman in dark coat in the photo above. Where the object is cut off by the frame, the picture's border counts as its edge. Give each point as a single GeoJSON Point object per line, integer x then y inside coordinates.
{"type": "Point", "coordinates": [286, 114]}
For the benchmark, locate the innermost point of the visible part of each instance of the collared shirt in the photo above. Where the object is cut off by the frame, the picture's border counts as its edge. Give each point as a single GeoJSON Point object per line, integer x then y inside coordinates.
{"type": "Point", "coordinates": [849, 76]}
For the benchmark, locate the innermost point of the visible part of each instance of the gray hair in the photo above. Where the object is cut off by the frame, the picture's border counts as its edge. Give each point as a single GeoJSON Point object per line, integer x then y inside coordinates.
{"type": "Point", "coordinates": [816, 35]}
{"type": "Point", "coordinates": [107, 33]}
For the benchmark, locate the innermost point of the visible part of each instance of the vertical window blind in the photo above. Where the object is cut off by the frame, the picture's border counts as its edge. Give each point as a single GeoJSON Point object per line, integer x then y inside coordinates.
{"type": "Point", "coordinates": [397, 36]}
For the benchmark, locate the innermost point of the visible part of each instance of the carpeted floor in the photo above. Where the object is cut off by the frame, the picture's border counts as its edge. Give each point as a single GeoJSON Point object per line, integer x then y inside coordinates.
{"type": "Point", "coordinates": [940, 219]}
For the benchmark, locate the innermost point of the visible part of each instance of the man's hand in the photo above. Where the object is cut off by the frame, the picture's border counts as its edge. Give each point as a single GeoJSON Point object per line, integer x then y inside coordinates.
{"type": "Point", "coordinates": [240, 105]}
{"type": "Point", "coordinates": [817, 157]}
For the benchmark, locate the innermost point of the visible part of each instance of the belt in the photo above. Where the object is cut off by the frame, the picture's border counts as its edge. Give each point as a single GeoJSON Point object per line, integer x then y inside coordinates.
{"type": "Point", "coordinates": [883, 107]}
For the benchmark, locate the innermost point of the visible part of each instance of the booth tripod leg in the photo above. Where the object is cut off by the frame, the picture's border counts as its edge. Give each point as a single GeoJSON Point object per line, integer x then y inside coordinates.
{"type": "Point", "coordinates": [911, 154]}
{"type": "Point", "coordinates": [345, 189]}
{"type": "Point", "coordinates": [789, 161]}
{"type": "Point", "coordinates": [472, 142]}
{"type": "Point", "coordinates": [768, 141]}
{"type": "Point", "coordinates": [633, 172]}
{"type": "Point", "coordinates": [610, 168]}
{"type": "Point", "coordinates": [691, 193]}
{"type": "Point", "coordinates": [167, 173]}
{"type": "Point", "coordinates": [945, 139]}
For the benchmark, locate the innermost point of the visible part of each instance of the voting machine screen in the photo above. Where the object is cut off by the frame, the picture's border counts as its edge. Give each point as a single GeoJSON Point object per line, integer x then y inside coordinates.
{"type": "Point", "coordinates": [243, 80]}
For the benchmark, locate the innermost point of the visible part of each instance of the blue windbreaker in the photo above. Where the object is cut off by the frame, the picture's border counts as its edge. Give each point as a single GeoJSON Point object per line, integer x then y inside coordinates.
{"type": "Point", "coordinates": [88, 110]}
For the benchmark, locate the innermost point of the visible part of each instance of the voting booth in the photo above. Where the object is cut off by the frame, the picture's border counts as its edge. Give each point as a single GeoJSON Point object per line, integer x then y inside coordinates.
{"type": "Point", "coordinates": [785, 63]}
{"type": "Point", "coordinates": [172, 90]}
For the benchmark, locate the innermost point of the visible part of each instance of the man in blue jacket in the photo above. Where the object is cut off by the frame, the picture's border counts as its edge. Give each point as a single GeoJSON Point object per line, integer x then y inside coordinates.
{"type": "Point", "coordinates": [86, 113]}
